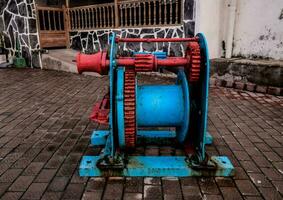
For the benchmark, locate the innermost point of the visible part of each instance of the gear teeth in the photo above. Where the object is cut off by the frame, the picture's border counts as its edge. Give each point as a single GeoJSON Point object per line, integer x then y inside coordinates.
{"type": "Point", "coordinates": [130, 108]}
{"type": "Point", "coordinates": [195, 61]}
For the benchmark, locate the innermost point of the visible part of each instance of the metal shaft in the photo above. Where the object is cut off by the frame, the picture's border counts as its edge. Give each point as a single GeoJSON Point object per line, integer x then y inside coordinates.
{"type": "Point", "coordinates": [156, 39]}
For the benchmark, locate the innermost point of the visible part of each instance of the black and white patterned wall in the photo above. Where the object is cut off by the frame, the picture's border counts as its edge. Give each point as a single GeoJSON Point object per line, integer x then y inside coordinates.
{"type": "Point", "coordinates": [18, 23]}
{"type": "Point", "coordinates": [96, 40]}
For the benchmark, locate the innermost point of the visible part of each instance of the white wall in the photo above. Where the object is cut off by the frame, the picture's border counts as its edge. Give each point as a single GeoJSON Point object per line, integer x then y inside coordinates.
{"type": "Point", "coordinates": [258, 29]}
{"type": "Point", "coordinates": [208, 20]}
{"type": "Point", "coordinates": [248, 27]}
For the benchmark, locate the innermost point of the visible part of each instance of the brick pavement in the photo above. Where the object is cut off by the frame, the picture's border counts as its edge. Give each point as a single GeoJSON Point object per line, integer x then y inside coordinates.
{"type": "Point", "coordinates": [44, 131]}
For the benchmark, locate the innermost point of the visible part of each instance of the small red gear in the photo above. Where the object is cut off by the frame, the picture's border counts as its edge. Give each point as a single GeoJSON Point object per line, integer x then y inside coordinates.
{"type": "Point", "coordinates": [144, 62]}
{"type": "Point", "coordinates": [130, 107]}
{"type": "Point", "coordinates": [193, 52]}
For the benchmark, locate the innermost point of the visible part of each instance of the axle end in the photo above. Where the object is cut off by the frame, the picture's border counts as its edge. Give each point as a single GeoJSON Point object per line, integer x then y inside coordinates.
{"type": "Point", "coordinates": [92, 63]}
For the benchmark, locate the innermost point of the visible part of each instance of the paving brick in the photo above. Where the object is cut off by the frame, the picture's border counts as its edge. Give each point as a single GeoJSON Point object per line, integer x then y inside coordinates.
{"type": "Point", "coordinates": [35, 191]}
{"type": "Point", "coordinates": [95, 184]}
{"type": "Point", "coordinates": [212, 197]}
{"type": "Point", "coordinates": [254, 198]}
{"type": "Point", "coordinates": [242, 155]}
{"type": "Point", "coordinates": [152, 181]}
{"type": "Point", "coordinates": [33, 169]}
{"type": "Point", "coordinates": [77, 179]}
{"type": "Point", "coordinates": [58, 184]}
{"type": "Point", "coordinates": [152, 192]}
{"type": "Point", "coordinates": [224, 182]}
{"type": "Point", "coordinates": [279, 151]}
{"type": "Point", "coordinates": [97, 195]}
{"type": "Point", "coordinates": [21, 183]}
{"type": "Point", "coordinates": [55, 162]}
{"type": "Point", "coordinates": [259, 180]}
{"type": "Point", "coordinates": [45, 141]}
{"type": "Point", "coordinates": [171, 188]}
{"type": "Point", "coordinates": [270, 193]}
{"type": "Point", "coordinates": [261, 161]}
{"type": "Point", "coordinates": [12, 195]}
{"type": "Point", "coordinates": [188, 181]}
{"type": "Point", "coordinates": [263, 147]}
{"type": "Point", "coordinates": [272, 174]}
{"type": "Point", "coordinates": [134, 184]}
{"type": "Point", "coordinates": [230, 193]}
{"type": "Point", "coordinates": [114, 188]}
{"type": "Point", "coordinates": [250, 166]}
{"type": "Point", "coordinates": [272, 143]}
{"type": "Point", "coordinates": [279, 186]}
{"type": "Point", "coordinates": [45, 175]}
{"type": "Point", "coordinates": [246, 188]}
{"type": "Point", "coordinates": [278, 166]}
{"type": "Point", "coordinates": [73, 191]}
{"type": "Point", "coordinates": [3, 188]}
{"type": "Point", "coordinates": [10, 175]}
{"type": "Point", "coordinates": [133, 196]}
{"type": "Point", "coordinates": [51, 196]}
{"type": "Point", "coordinates": [66, 170]}
{"type": "Point", "coordinates": [208, 186]}
{"type": "Point", "coordinates": [244, 142]}
{"type": "Point", "coordinates": [191, 192]}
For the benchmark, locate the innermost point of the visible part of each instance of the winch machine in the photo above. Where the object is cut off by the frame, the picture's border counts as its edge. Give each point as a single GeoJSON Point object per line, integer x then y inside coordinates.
{"type": "Point", "coordinates": [134, 113]}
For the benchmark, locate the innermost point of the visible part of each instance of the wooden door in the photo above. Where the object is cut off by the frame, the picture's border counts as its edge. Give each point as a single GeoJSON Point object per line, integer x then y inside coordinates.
{"type": "Point", "coordinates": [53, 27]}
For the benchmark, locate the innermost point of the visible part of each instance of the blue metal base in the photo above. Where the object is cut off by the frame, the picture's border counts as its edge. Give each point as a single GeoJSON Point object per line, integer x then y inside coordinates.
{"type": "Point", "coordinates": [156, 134]}
{"type": "Point", "coordinates": [208, 138]}
{"type": "Point", "coordinates": [99, 137]}
{"type": "Point", "coordinates": [157, 166]}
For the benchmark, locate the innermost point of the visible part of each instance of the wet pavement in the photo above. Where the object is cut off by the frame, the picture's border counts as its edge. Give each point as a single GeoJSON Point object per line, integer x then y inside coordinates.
{"type": "Point", "coordinates": [45, 130]}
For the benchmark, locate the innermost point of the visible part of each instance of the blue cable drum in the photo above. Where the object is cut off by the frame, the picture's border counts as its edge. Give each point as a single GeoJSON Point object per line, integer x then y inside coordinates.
{"type": "Point", "coordinates": [165, 106]}
{"type": "Point", "coordinates": [157, 108]}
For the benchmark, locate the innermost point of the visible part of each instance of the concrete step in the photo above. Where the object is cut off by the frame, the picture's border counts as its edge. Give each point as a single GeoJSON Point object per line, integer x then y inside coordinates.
{"type": "Point", "coordinates": [62, 60]}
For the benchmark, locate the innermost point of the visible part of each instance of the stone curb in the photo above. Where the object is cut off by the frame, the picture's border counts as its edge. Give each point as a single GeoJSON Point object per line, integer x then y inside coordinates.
{"type": "Point", "coordinates": [251, 87]}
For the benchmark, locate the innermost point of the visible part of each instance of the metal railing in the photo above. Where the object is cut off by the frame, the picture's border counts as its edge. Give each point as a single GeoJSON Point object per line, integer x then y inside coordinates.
{"type": "Point", "coordinates": [130, 14]}
{"type": "Point", "coordinates": [150, 13]}
{"type": "Point", "coordinates": [50, 19]}
{"type": "Point", "coordinates": [94, 16]}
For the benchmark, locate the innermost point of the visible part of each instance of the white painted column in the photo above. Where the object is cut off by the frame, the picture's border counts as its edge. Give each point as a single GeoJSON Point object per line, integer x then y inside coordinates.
{"type": "Point", "coordinates": [209, 19]}
{"type": "Point", "coordinates": [230, 27]}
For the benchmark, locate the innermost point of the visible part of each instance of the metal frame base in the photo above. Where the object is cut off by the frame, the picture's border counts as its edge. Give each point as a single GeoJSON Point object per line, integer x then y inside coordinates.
{"type": "Point", "coordinates": [99, 137]}
{"type": "Point", "coordinates": [157, 166]}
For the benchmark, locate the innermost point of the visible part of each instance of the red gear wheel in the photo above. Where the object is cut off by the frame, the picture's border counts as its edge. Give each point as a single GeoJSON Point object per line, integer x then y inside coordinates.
{"type": "Point", "coordinates": [130, 107]}
{"type": "Point", "coordinates": [193, 51]}
{"type": "Point", "coordinates": [144, 62]}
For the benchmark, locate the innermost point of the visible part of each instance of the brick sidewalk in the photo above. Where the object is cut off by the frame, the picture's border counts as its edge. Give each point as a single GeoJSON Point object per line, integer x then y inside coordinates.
{"type": "Point", "coordinates": [44, 131]}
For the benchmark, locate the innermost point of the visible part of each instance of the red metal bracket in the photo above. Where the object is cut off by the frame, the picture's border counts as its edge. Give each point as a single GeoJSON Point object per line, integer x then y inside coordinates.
{"type": "Point", "coordinates": [100, 111]}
